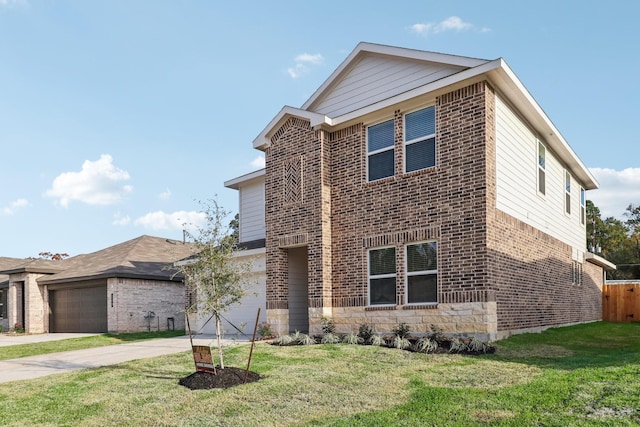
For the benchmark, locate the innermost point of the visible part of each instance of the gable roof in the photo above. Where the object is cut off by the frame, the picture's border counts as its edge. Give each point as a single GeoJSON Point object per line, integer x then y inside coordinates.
{"type": "Point", "coordinates": [145, 257]}
{"type": "Point", "coordinates": [376, 77]}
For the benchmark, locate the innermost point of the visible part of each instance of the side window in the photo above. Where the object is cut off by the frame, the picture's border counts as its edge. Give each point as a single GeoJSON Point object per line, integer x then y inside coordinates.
{"type": "Point", "coordinates": [380, 151]}
{"type": "Point", "coordinates": [422, 273]}
{"type": "Point", "coordinates": [420, 139]}
{"type": "Point", "coordinates": [567, 192]}
{"type": "Point", "coordinates": [3, 303]}
{"type": "Point", "coordinates": [583, 210]}
{"type": "Point", "coordinates": [542, 189]}
{"type": "Point", "coordinates": [382, 276]}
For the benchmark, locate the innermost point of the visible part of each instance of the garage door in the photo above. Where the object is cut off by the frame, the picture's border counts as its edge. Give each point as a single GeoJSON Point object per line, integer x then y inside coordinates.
{"type": "Point", "coordinates": [78, 310]}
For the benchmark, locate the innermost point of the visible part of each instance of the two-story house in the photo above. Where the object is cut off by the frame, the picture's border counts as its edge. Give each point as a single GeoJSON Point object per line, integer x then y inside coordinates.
{"type": "Point", "coordinates": [422, 188]}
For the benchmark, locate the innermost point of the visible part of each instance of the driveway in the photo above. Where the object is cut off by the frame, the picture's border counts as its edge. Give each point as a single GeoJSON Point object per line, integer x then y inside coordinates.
{"type": "Point", "coordinates": [54, 363]}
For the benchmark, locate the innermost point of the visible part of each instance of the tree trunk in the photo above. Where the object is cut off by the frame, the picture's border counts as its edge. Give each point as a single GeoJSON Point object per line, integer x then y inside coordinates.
{"type": "Point", "coordinates": [219, 338]}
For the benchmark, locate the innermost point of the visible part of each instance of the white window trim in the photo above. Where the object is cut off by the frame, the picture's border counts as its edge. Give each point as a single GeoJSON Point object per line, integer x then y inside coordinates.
{"type": "Point", "coordinates": [408, 274]}
{"type": "Point", "coordinates": [380, 276]}
{"type": "Point", "coordinates": [583, 207]}
{"type": "Point", "coordinates": [381, 150]}
{"type": "Point", "coordinates": [405, 143]}
{"type": "Point", "coordinates": [538, 168]}
{"type": "Point", "coordinates": [567, 193]}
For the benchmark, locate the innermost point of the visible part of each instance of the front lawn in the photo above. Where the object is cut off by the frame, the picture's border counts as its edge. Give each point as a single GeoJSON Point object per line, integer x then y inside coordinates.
{"type": "Point", "coordinates": [579, 375]}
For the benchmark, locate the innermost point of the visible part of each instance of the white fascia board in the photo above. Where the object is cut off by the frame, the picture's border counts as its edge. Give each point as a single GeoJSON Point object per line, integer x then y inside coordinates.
{"type": "Point", "coordinates": [262, 141]}
{"type": "Point", "coordinates": [235, 183]}
{"type": "Point", "coordinates": [400, 52]}
{"type": "Point", "coordinates": [599, 261]}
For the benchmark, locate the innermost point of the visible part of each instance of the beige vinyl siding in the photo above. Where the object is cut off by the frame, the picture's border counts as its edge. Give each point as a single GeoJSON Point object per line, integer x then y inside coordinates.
{"type": "Point", "coordinates": [516, 181]}
{"type": "Point", "coordinates": [252, 222]}
{"type": "Point", "coordinates": [376, 78]}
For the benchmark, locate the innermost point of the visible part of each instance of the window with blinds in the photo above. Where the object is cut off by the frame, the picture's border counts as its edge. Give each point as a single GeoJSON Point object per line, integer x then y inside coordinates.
{"type": "Point", "coordinates": [422, 273]}
{"type": "Point", "coordinates": [380, 151]}
{"type": "Point", "coordinates": [382, 276]}
{"type": "Point", "coordinates": [420, 139]}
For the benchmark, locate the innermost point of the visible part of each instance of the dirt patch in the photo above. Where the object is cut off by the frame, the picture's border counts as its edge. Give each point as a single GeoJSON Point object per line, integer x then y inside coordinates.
{"type": "Point", "coordinates": [225, 378]}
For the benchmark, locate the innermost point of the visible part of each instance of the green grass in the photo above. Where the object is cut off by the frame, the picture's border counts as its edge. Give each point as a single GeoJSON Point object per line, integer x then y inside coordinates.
{"type": "Point", "coordinates": [585, 375]}
{"type": "Point", "coordinates": [24, 350]}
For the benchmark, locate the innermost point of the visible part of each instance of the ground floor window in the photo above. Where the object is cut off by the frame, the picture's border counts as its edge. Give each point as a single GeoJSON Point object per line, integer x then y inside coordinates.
{"type": "Point", "coordinates": [382, 276]}
{"type": "Point", "coordinates": [422, 273]}
{"type": "Point", "coordinates": [3, 303]}
{"type": "Point", "coordinates": [576, 273]}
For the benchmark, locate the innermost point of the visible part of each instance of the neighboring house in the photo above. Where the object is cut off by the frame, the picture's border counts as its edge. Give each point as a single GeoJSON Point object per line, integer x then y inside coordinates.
{"type": "Point", "coordinates": [251, 236]}
{"type": "Point", "coordinates": [422, 188]}
{"type": "Point", "coordinates": [4, 292]}
{"type": "Point", "coordinates": [124, 288]}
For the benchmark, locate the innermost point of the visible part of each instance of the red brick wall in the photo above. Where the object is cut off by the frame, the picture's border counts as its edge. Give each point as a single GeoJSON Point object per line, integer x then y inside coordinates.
{"type": "Point", "coordinates": [483, 255]}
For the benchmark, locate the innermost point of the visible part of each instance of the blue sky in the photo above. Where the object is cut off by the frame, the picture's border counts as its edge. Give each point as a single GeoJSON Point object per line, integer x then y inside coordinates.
{"type": "Point", "coordinates": [117, 117]}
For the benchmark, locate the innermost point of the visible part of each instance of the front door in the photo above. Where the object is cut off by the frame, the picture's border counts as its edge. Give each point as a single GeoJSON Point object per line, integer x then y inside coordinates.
{"type": "Point", "coordinates": [298, 290]}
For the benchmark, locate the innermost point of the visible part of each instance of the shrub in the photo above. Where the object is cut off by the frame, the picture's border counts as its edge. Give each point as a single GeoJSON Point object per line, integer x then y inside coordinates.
{"type": "Point", "coordinates": [401, 343]}
{"type": "Point", "coordinates": [285, 340]}
{"type": "Point", "coordinates": [426, 345]}
{"type": "Point", "coordinates": [437, 335]}
{"type": "Point", "coordinates": [477, 346]}
{"type": "Point", "coordinates": [458, 346]}
{"type": "Point", "coordinates": [264, 330]}
{"type": "Point", "coordinates": [365, 331]}
{"type": "Point", "coordinates": [328, 325]}
{"type": "Point", "coordinates": [18, 329]}
{"type": "Point", "coordinates": [352, 338]}
{"type": "Point", "coordinates": [377, 340]}
{"type": "Point", "coordinates": [330, 338]}
{"type": "Point", "coordinates": [302, 338]}
{"type": "Point", "coordinates": [402, 331]}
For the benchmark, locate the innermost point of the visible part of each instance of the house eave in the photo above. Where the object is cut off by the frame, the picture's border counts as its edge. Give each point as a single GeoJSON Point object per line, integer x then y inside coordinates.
{"type": "Point", "coordinates": [263, 140]}
{"type": "Point", "coordinates": [236, 183]}
{"type": "Point", "coordinates": [599, 261]}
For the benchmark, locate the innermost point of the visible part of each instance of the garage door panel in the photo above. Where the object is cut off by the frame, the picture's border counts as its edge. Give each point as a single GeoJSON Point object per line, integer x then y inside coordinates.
{"type": "Point", "coordinates": [78, 309]}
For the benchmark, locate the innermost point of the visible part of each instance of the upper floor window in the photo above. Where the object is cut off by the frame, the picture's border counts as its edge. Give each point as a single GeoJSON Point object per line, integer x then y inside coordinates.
{"type": "Point", "coordinates": [420, 139]}
{"type": "Point", "coordinates": [382, 276]}
{"type": "Point", "coordinates": [380, 151]}
{"type": "Point", "coordinates": [583, 211]}
{"type": "Point", "coordinates": [422, 273]}
{"type": "Point", "coordinates": [567, 192]}
{"type": "Point", "coordinates": [542, 189]}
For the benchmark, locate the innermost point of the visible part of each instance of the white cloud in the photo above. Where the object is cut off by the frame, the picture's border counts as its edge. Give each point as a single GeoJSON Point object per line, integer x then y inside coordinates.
{"type": "Point", "coordinates": [618, 189]}
{"type": "Point", "coordinates": [98, 183]}
{"type": "Point", "coordinates": [165, 194]}
{"type": "Point", "coordinates": [452, 23]}
{"type": "Point", "coordinates": [122, 220]}
{"type": "Point", "coordinates": [160, 220]}
{"type": "Point", "coordinates": [14, 206]}
{"type": "Point", "coordinates": [302, 63]}
{"type": "Point", "coordinates": [258, 162]}
{"type": "Point", "coordinates": [315, 59]}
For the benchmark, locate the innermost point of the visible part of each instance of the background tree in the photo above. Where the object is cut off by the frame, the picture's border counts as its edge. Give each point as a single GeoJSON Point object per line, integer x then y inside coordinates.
{"type": "Point", "coordinates": [53, 256]}
{"type": "Point", "coordinates": [214, 274]}
{"type": "Point", "coordinates": [616, 240]}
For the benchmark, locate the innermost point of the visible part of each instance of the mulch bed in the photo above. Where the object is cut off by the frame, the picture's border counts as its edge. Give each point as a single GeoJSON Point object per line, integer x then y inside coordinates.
{"type": "Point", "coordinates": [225, 378]}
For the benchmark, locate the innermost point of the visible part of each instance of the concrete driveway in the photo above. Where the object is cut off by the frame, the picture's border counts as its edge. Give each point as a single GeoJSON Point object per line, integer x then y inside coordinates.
{"type": "Point", "coordinates": [39, 366]}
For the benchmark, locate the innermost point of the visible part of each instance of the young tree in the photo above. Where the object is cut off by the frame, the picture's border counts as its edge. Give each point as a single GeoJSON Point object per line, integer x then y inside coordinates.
{"type": "Point", "coordinates": [214, 274]}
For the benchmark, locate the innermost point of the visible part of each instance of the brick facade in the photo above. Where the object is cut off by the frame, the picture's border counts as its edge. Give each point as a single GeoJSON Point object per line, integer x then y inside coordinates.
{"type": "Point", "coordinates": [495, 274]}
{"type": "Point", "coordinates": [134, 299]}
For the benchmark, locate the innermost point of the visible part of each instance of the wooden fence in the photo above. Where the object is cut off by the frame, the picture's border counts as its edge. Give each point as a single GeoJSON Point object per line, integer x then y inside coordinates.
{"type": "Point", "coordinates": [621, 301]}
